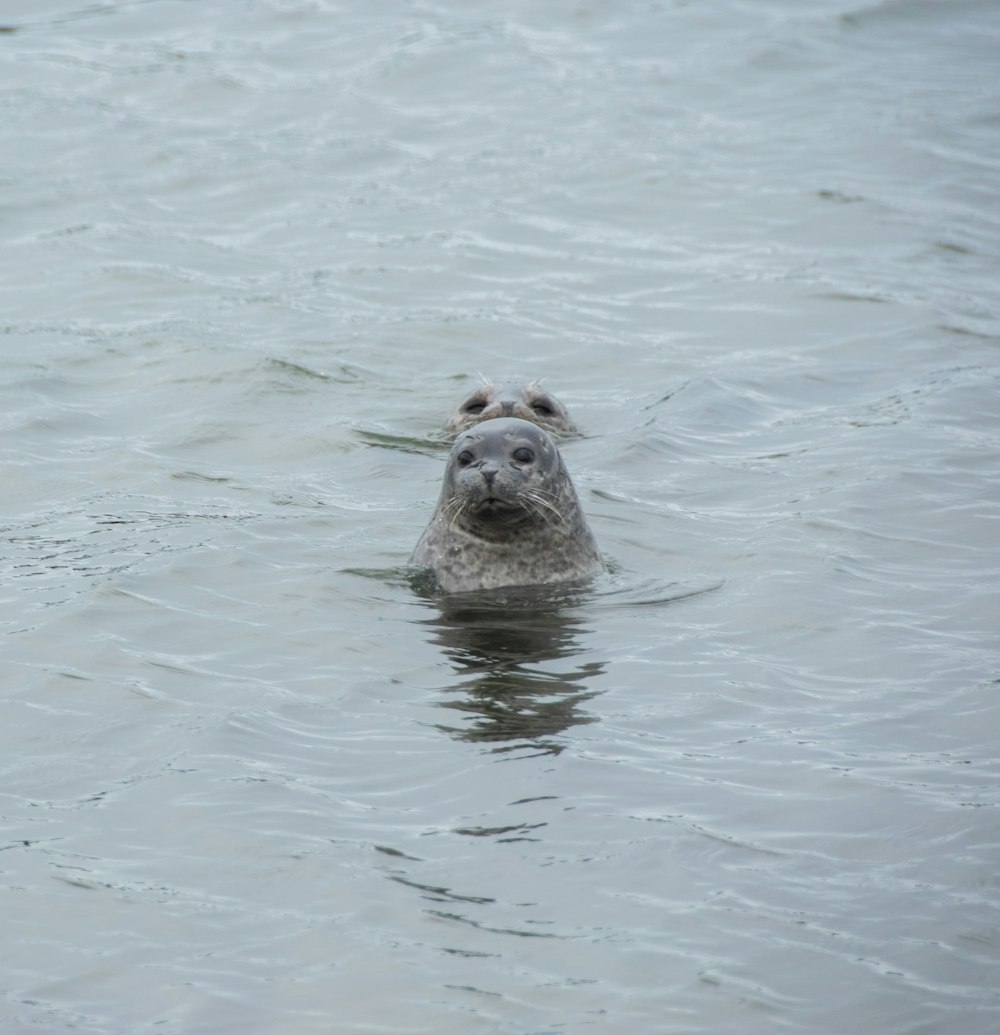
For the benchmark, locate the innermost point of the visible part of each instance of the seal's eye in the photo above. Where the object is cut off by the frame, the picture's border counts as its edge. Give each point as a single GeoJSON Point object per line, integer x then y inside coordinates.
{"type": "Point", "coordinates": [543, 408]}
{"type": "Point", "coordinates": [476, 406]}
{"type": "Point", "coordinates": [523, 456]}
{"type": "Point", "coordinates": [464, 458]}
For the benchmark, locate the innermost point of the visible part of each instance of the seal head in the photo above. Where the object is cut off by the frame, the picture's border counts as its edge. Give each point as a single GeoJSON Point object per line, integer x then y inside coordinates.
{"type": "Point", "coordinates": [508, 514]}
{"type": "Point", "coordinates": [528, 402]}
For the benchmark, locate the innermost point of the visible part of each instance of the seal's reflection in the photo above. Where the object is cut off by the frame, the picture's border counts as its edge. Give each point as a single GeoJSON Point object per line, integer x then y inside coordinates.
{"type": "Point", "coordinates": [502, 643]}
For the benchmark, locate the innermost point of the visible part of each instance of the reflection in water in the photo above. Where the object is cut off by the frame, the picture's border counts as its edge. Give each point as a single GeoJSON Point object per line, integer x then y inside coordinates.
{"type": "Point", "coordinates": [498, 642]}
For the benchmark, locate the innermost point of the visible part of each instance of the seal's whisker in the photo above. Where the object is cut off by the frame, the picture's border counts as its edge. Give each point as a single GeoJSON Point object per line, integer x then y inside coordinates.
{"type": "Point", "coordinates": [450, 510]}
{"type": "Point", "coordinates": [541, 505]}
{"type": "Point", "coordinates": [455, 509]}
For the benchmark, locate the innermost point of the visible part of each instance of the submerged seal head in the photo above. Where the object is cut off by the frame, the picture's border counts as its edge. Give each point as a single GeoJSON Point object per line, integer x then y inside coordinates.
{"type": "Point", "coordinates": [528, 402]}
{"type": "Point", "coordinates": [508, 514]}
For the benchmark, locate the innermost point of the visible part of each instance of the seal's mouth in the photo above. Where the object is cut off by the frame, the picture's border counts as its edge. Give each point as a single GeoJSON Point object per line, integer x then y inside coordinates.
{"type": "Point", "coordinates": [495, 507]}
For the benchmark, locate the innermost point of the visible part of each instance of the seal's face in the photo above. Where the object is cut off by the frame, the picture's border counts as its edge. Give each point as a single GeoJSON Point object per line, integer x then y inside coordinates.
{"type": "Point", "coordinates": [501, 475]}
{"type": "Point", "coordinates": [527, 402]}
{"type": "Point", "coordinates": [507, 515]}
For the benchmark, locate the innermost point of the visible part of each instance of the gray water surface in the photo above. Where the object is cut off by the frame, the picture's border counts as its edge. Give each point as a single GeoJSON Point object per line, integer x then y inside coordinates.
{"type": "Point", "coordinates": [255, 778]}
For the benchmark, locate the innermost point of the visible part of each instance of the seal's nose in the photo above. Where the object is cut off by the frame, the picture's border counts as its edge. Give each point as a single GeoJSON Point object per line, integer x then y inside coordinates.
{"type": "Point", "coordinates": [507, 405]}
{"type": "Point", "coordinates": [489, 473]}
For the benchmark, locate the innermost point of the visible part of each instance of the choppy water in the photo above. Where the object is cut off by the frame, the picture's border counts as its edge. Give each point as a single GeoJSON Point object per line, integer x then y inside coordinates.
{"type": "Point", "coordinates": [252, 780]}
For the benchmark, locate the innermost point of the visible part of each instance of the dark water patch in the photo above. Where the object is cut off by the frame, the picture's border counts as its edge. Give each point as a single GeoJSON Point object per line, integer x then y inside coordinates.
{"type": "Point", "coordinates": [854, 296]}
{"type": "Point", "coordinates": [634, 591]}
{"type": "Point", "coordinates": [952, 246]}
{"type": "Point", "coordinates": [396, 853]}
{"type": "Point", "coordinates": [613, 496]}
{"type": "Point", "coordinates": [968, 332]}
{"type": "Point", "coordinates": [840, 197]}
{"type": "Point", "coordinates": [201, 476]}
{"type": "Point", "coordinates": [291, 378]}
{"type": "Point", "coordinates": [512, 653]}
{"type": "Point", "coordinates": [436, 447]}
{"type": "Point", "coordinates": [421, 582]}
{"type": "Point", "coordinates": [898, 14]}
{"type": "Point", "coordinates": [481, 926]}
{"type": "Point", "coordinates": [498, 831]}
{"type": "Point", "coordinates": [440, 894]}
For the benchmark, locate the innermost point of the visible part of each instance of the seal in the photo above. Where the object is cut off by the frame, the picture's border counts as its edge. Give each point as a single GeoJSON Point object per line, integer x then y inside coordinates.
{"type": "Point", "coordinates": [508, 514]}
{"type": "Point", "coordinates": [528, 402]}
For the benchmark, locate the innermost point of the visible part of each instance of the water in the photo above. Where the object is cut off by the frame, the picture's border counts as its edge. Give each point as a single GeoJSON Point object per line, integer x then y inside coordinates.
{"type": "Point", "coordinates": [255, 779]}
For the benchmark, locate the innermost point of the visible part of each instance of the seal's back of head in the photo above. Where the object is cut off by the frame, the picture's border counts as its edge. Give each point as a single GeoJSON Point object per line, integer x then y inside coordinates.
{"type": "Point", "coordinates": [530, 402]}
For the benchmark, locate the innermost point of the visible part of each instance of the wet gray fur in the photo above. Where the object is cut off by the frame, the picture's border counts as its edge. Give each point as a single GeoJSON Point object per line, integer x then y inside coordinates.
{"type": "Point", "coordinates": [508, 514]}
